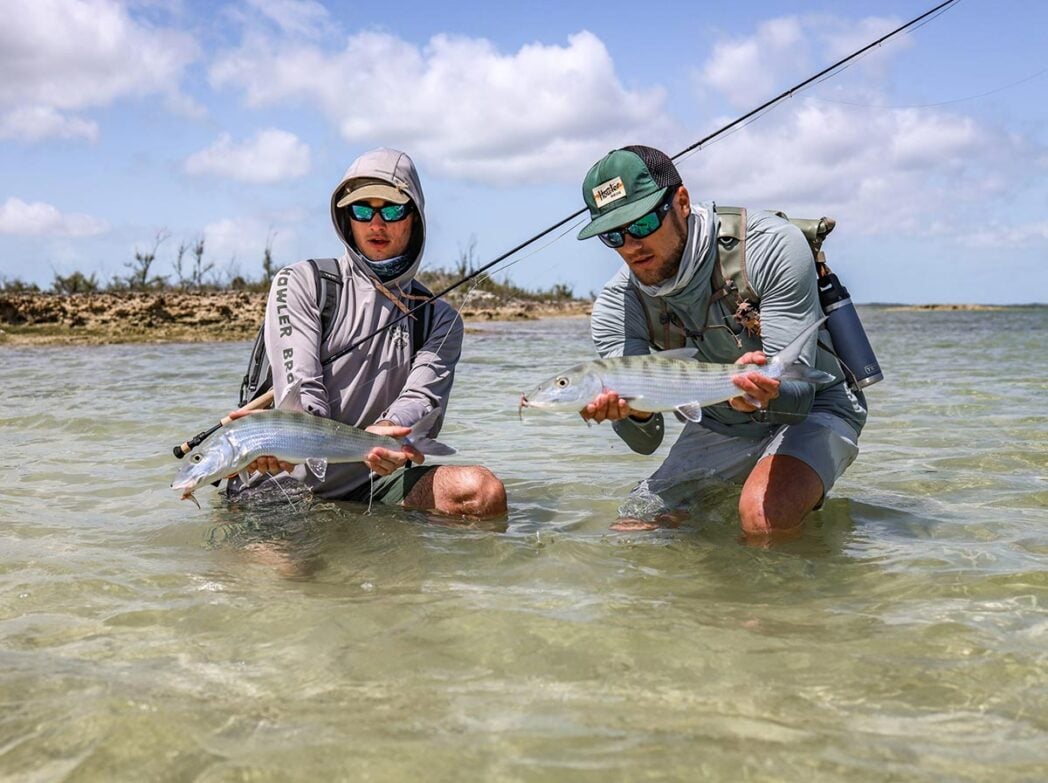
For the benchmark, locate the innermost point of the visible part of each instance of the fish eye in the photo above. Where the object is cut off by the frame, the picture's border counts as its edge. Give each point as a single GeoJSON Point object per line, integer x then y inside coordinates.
{"type": "Point", "coordinates": [562, 382]}
{"type": "Point", "coordinates": [195, 458]}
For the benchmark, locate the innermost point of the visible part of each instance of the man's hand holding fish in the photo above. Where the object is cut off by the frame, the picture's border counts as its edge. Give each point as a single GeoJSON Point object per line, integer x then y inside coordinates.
{"type": "Point", "coordinates": [380, 460]}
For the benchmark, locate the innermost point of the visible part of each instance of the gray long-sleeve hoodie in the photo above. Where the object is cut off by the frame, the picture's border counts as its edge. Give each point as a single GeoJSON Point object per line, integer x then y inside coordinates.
{"type": "Point", "coordinates": [379, 380]}
{"type": "Point", "coordinates": [782, 273]}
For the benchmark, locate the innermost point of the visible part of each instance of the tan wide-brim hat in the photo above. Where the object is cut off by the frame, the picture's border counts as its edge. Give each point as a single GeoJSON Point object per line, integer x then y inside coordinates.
{"type": "Point", "coordinates": [362, 190]}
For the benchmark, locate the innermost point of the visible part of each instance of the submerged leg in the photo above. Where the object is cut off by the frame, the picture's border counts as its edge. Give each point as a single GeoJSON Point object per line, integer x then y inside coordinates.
{"type": "Point", "coordinates": [468, 491]}
{"type": "Point", "coordinates": [780, 492]}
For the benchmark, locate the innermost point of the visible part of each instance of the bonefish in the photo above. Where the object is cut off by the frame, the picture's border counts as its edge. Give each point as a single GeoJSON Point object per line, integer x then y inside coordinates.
{"type": "Point", "coordinates": [666, 381]}
{"type": "Point", "coordinates": [292, 435]}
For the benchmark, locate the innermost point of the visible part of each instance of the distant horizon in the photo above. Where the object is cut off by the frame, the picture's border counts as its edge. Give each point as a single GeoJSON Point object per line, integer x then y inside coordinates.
{"type": "Point", "coordinates": [228, 288]}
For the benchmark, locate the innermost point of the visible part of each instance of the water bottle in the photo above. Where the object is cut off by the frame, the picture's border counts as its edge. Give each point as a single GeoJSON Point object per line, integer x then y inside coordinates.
{"type": "Point", "coordinates": [849, 338]}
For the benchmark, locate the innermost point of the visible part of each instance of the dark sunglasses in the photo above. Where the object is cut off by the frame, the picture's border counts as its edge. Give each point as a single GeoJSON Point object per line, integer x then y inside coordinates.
{"type": "Point", "coordinates": [642, 226]}
{"type": "Point", "coordinates": [390, 213]}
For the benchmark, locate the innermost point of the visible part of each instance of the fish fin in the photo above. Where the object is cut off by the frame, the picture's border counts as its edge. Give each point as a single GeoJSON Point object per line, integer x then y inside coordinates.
{"type": "Point", "coordinates": [244, 477]}
{"type": "Point", "coordinates": [291, 399]}
{"type": "Point", "coordinates": [688, 411]}
{"type": "Point", "coordinates": [677, 353]}
{"type": "Point", "coordinates": [802, 372]}
{"type": "Point", "coordinates": [317, 466]}
{"type": "Point", "coordinates": [419, 436]}
{"type": "Point", "coordinates": [792, 352]}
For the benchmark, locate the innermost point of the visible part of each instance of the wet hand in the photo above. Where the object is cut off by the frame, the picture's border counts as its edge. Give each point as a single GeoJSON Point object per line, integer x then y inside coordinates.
{"type": "Point", "coordinates": [264, 464]}
{"type": "Point", "coordinates": [384, 461]}
{"type": "Point", "coordinates": [758, 390]}
{"type": "Point", "coordinates": [269, 464]}
{"type": "Point", "coordinates": [607, 406]}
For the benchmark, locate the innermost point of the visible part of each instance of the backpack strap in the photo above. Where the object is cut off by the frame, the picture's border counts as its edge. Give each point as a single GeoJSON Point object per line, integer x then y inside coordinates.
{"type": "Point", "coordinates": [257, 379]}
{"type": "Point", "coordinates": [421, 321]}
{"type": "Point", "coordinates": [329, 284]}
{"type": "Point", "coordinates": [730, 279]}
{"type": "Point", "coordinates": [815, 231]}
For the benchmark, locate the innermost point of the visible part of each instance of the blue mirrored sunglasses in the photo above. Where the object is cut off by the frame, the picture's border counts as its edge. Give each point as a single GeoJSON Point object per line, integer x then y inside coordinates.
{"type": "Point", "coordinates": [390, 213]}
{"type": "Point", "coordinates": [643, 226]}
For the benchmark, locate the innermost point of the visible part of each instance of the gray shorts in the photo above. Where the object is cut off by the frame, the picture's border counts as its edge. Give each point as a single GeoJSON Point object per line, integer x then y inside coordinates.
{"type": "Point", "coordinates": [700, 456]}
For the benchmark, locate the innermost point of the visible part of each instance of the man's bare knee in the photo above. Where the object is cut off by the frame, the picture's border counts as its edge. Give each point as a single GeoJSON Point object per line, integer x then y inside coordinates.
{"type": "Point", "coordinates": [472, 491]}
{"type": "Point", "coordinates": [758, 519]}
{"type": "Point", "coordinates": [777, 496]}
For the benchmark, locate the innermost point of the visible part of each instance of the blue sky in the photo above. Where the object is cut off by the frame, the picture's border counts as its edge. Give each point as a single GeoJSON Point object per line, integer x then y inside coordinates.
{"type": "Point", "coordinates": [232, 122]}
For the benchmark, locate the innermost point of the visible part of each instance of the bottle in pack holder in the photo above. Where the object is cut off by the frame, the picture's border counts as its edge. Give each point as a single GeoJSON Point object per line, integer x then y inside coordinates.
{"type": "Point", "coordinates": [849, 338]}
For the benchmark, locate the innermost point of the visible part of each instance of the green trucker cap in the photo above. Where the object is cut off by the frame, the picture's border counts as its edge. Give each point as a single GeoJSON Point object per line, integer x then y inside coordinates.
{"type": "Point", "coordinates": [624, 185]}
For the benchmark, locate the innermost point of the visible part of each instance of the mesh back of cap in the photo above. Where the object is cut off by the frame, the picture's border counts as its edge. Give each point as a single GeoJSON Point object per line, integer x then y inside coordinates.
{"type": "Point", "coordinates": [663, 172]}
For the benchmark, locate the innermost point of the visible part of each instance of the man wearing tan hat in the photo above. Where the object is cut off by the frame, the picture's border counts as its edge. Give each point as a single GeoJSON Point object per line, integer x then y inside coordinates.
{"type": "Point", "coordinates": [388, 383]}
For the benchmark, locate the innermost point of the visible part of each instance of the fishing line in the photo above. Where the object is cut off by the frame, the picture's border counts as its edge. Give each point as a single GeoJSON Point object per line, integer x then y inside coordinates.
{"type": "Point", "coordinates": [823, 75]}
{"type": "Point", "coordinates": [918, 21]}
{"type": "Point", "coordinates": [1002, 88]}
{"type": "Point", "coordinates": [472, 289]}
{"type": "Point", "coordinates": [750, 116]}
{"type": "Point", "coordinates": [535, 252]}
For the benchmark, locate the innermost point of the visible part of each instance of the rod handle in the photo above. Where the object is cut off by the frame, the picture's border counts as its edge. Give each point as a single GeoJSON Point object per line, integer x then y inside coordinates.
{"type": "Point", "coordinates": [260, 402]}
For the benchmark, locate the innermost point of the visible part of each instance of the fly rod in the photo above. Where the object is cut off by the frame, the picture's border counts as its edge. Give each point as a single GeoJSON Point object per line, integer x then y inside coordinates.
{"type": "Point", "coordinates": [266, 399]}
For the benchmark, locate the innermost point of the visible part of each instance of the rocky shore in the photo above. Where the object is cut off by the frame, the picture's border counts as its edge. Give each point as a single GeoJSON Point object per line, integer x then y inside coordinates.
{"type": "Point", "coordinates": [178, 316]}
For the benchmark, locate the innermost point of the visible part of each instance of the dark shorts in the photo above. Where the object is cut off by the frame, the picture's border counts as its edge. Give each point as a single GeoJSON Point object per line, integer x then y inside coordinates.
{"type": "Point", "coordinates": [389, 490]}
{"type": "Point", "coordinates": [392, 489]}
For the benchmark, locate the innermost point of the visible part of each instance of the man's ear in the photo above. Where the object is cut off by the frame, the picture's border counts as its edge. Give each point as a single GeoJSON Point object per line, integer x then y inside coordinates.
{"type": "Point", "coordinates": [683, 201]}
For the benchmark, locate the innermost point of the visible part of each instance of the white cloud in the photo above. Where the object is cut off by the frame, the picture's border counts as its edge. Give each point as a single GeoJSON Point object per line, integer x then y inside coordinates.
{"type": "Point", "coordinates": [459, 105]}
{"type": "Point", "coordinates": [33, 123]}
{"type": "Point", "coordinates": [751, 70]}
{"type": "Point", "coordinates": [270, 156]}
{"type": "Point", "coordinates": [1000, 236]}
{"type": "Point", "coordinates": [918, 170]}
{"type": "Point", "coordinates": [882, 170]}
{"type": "Point", "coordinates": [19, 218]}
{"type": "Point", "coordinates": [238, 244]}
{"type": "Point", "coordinates": [68, 55]}
{"type": "Point", "coordinates": [295, 17]}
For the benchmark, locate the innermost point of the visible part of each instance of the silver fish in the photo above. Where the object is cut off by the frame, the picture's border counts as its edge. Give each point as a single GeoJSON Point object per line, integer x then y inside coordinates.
{"type": "Point", "coordinates": [291, 435]}
{"type": "Point", "coordinates": [666, 380]}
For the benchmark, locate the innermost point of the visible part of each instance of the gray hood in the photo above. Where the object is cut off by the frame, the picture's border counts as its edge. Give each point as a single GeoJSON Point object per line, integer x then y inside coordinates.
{"type": "Point", "coordinates": [397, 169]}
{"type": "Point", "coordinates": [689, 290]}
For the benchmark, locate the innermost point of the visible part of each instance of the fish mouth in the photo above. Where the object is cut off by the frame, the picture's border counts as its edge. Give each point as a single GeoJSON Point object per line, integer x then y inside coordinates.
{"type": "Point", "coordinates": [187, 494]}
{"type": "Point", "coordinates": [186, 488]}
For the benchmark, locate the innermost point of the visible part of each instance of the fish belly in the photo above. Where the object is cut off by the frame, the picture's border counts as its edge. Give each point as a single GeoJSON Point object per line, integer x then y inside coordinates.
{"type": "Point", "coordinates": [298, 437]}
{"type": "Point", "coordinates": [664, 385]}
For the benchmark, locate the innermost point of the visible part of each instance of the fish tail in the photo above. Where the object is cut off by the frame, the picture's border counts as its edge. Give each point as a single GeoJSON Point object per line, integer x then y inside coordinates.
{"type": "Point", "coordinates": [802, 372]}
{"type": "Point", "coordinates": [792, 352]}
{"type": "Point", "coordinates": [419, 436]}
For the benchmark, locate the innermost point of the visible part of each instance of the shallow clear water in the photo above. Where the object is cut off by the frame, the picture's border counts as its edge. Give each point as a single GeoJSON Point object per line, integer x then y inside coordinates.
{"type": "Point", "coordinates": [903, 637]}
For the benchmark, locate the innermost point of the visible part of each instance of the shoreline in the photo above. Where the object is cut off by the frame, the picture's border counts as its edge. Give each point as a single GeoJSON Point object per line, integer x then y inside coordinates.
{"type": "Point", "coordinates": [108, 318]}
{"type": "Point", "coordinates": [49, 319]}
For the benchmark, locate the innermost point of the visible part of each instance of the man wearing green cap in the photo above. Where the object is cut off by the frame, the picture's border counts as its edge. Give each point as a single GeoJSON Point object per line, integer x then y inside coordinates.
{"type": "Point", "coordinates": [787, 441]}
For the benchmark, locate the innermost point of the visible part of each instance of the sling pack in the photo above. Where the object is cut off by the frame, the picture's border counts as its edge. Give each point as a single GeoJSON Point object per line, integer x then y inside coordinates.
{"type": "Point", "coordinates": [730, 279]}
{"type": "Point", "coordinates": [329, 286]}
